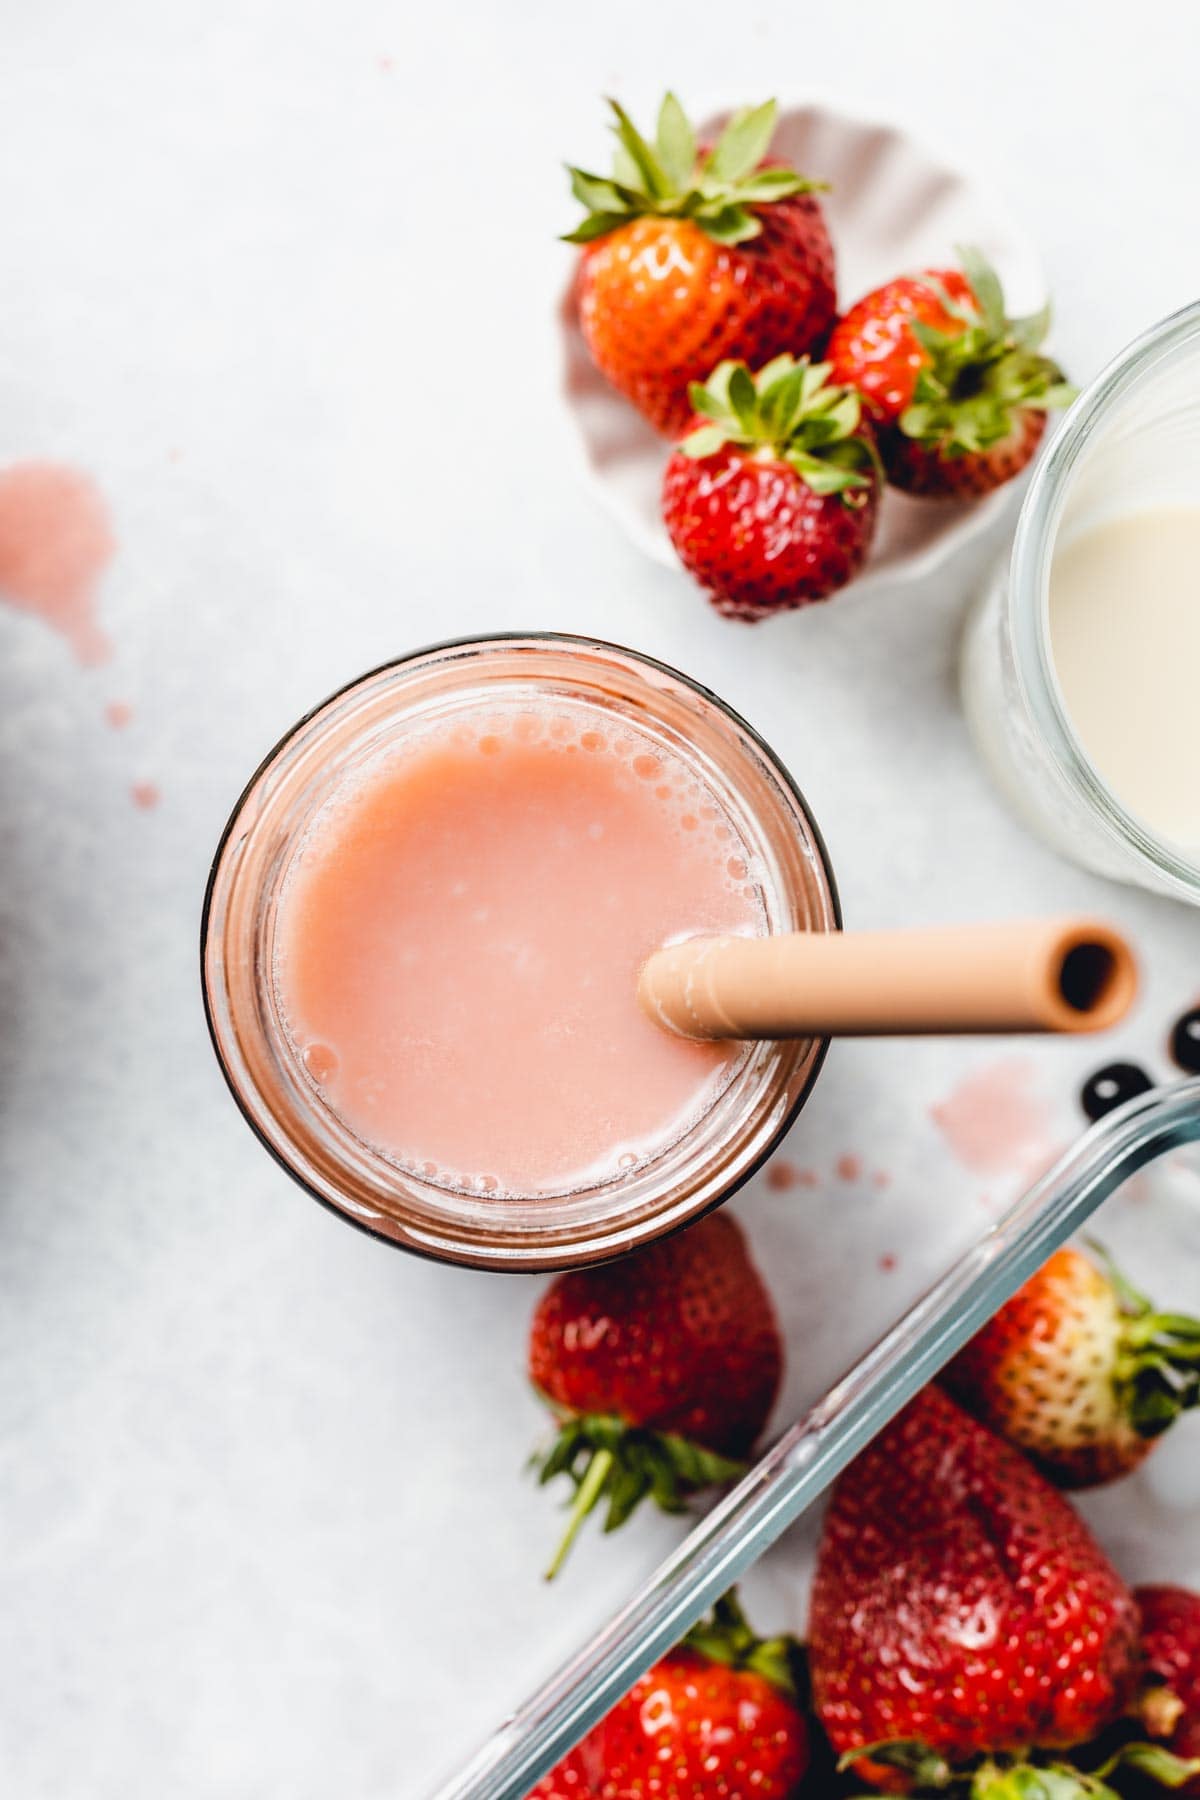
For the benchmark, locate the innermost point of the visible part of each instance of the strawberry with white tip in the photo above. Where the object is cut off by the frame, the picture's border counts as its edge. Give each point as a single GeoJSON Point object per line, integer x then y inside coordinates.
{"type": "Point", "coordinates": [1080, 1371]}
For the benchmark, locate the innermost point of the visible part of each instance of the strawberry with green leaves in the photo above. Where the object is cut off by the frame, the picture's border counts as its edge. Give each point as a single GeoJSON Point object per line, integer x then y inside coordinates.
{"type": "Point", "coordinates": [1080, 1371]}
{"type": "Point", "coordinates": [771, 499]}
{"type": "Point", "coordinates": [691, 255]}
{"type": "Point", "coordinates": [958, 390]}
{"type": "Point", "coordinates": [719, 1718]}
{"type": "Point", "coordinates": [660, 1369]}
{"type": "Point", "coordinates": [963, 1617]}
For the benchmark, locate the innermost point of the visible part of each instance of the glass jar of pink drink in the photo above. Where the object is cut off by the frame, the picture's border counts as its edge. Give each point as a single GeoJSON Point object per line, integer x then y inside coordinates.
{"type": "Point", "coordinates": [422, 936]}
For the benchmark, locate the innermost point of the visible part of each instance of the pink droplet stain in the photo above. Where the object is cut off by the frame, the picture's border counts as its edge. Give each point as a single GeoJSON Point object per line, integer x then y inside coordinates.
{"type": "Point", "coordinates": [145, 795]}
{"type": "Point", "coordinates": [55, 544]}
{"type": "Point", "coordinates": [119, 714]}
{"type": "Point", "coordinates": [995, 1121]}
{"type": "Point", "coordinates": [848, 1168]}
{"type": "Point", "coordinates": [781, 1176]}
{"type": "Point", "coordinates": [806, 1178]}
{"type": "Point", "coordinates": [887, 1262]}
{"type": "Point", "coordinates": [881, 1179]}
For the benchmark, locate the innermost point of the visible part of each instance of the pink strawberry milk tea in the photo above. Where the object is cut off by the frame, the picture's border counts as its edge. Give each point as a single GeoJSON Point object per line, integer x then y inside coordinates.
{"type": "Point", "coordinates": [424, 930]}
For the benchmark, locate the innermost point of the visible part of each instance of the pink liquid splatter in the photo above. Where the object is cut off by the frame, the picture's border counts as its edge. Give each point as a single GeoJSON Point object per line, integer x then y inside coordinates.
{"type": "Point", "coordinates": [55, 543]}
{"type": "Point", "coordinates": [118, 713]}
{"type": "Point", "coordinates": [848, 1168]}
{"type": "Point", "coordinates": [806, 1178]}
{"type": "Point", "coordinates": [781, 1176]}
{"type": "Point", "coordinates": [887, 1262]}
{"type": "Point", "coordinates": [145, 795]}
{"type": "Point", "coordinates": [881, 1179]}
{"type": "Point", "coordinates": [995, 1121]}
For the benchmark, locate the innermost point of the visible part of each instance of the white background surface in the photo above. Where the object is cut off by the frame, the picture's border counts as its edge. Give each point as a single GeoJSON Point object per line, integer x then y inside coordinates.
{"type": "Point", "coordinates": [279, 276]}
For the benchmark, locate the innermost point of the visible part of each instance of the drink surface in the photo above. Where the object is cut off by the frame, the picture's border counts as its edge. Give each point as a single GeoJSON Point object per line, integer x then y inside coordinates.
{"type": "Point", "coordinates": [459, 938]}
{"type": "Point", "coordinates": [1125, 639]}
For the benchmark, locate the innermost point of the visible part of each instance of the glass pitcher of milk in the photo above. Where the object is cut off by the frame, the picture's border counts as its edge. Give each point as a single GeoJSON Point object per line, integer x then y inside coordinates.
{"type": "Point", "coordinates": [1081, 659]}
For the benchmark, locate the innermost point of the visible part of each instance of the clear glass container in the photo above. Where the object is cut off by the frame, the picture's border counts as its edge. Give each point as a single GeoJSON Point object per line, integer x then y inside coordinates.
{"type": "Point", "coordinates": [338, 739]}
{"type": "Point", "coordinates": [1130, 443]}
{"type": "Point", "coordinates": [1150, 1221]}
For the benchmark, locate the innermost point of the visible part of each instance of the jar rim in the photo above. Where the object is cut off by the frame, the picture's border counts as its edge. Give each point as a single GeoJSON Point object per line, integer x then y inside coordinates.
{"type": "Point", "coordinates": [1028, 587]}
{"type": "Point", "coordinates": [607, 1237]}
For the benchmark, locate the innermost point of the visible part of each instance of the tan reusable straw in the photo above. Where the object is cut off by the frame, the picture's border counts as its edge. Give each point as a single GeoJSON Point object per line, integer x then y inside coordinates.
{"type": "Point", "coordinates": [1035, 975]}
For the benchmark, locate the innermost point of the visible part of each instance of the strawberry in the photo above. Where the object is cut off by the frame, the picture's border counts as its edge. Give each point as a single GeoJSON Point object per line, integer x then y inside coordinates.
{"type": "Point", "coordinates": [771, 499]}
{"type": "Point", "coordinates": [1079, 1371]}
{"type": "Point", "coordinates": [1171, 1646]}
{"type": "Point", "coordinates": [961, 1608]}
{"type": "Point", "coordinates": [874, 349]}
{"type": "Point", "coordinates": [692, 255]}
{"type": "Point", "coordinates": [719, 1718]}
{"type": "Point", "coordinates": [661, 1370]}
{"type": "Point", "coordinates": [959, 390]}
{"type": "Point", "coordinates": [568, 1780]}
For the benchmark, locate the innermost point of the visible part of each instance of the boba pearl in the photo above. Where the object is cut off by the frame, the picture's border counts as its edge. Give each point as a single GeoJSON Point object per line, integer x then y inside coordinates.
{"type": "Point", "coordinates": [1185, 1041]}
{"type": "Point", "coordinates": [1111, 1086]}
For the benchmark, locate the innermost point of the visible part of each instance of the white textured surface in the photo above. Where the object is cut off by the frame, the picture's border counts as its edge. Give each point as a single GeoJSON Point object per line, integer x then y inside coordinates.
{"type": "Point", "coordinates": [264, 1532]}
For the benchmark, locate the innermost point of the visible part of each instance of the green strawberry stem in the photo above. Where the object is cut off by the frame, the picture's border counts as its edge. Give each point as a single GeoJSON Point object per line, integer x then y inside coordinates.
{"type": "Point", "coordinates": [983, 371]}
{"type": "Point", "coordinates": [1020, 1777]}
{"type": "Point", "coordinates": [670, 179]}
{"type": "Point", "coordinates": [792, 412]}
{"type": "Point", "coordinates": [1157, 1374]}
{"type": "Point", "coordinates": [587, 1494]}
{"type": "Point", "coordinates": [610, 1460]}
{"type": "Point", "coordinates": [726, 1637]}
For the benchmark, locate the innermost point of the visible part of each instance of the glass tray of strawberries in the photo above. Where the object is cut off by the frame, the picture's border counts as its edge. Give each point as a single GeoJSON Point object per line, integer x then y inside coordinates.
{"type": "Point", "coordinates": [1003, 1592]}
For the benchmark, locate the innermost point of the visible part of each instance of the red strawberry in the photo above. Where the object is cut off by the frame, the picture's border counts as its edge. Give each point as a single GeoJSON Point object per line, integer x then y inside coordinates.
{"type": "Point", "coordinates": [1171, 1645]}
{"type": "Point", "coordinates": [691, 256]}
{"type": "Point", "coordinates": [771, 500]}
{"type": "Point", "coordinates": [1079, 1371]}
{"type": "Point", "coordinates": [874, 349]}
{"type": "Point", "coordinates": [959, 389]}
{"type": "Point", "coordinates": [661, 1369]}
{"type": "Point", "coordinates": [568, 1780]}
{"type": "Point", "coordinates": [717, 1719]}
{"type": "Point", "coordinates": [961, 1607]}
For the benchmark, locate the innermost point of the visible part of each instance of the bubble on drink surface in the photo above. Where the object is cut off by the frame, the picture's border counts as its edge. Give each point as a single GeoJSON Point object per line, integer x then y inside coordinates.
{"type": "Point", "coordinates": [647, 766]}
{"type": "Point", "coordinates": [737, 868]}
{"type": "Point", "coordinates": [321, 1063]}
{"type": "Point", "coordinates": [490, 744]}
{"type": "Point", "coordinates": [627, 1160]}
{"type": "Point", "coordinates": [430, 1171]}
{"type": "Point", "coordinates": [592, 740]}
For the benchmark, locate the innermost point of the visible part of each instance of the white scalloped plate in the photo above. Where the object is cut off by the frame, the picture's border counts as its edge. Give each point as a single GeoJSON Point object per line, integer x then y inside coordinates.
{"type": "Point", "coordinates": [892, 208]}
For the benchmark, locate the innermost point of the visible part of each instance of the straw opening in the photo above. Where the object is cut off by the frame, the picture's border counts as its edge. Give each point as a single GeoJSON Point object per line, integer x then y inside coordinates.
{"type": "Point", "coordinates": [1096, 979]}
{"type": "Point", "coordinates": [1087, 976]}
